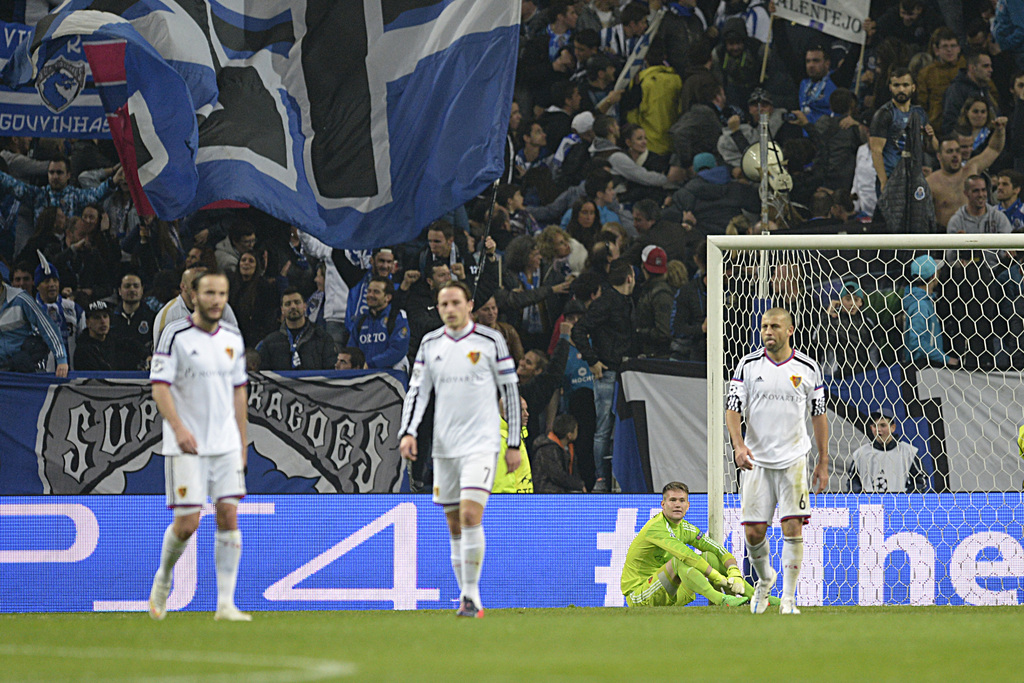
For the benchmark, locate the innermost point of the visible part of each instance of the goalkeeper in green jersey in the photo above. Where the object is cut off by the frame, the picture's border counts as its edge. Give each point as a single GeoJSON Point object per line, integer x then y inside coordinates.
{"type": "Point", "coordinates": [661, 569]}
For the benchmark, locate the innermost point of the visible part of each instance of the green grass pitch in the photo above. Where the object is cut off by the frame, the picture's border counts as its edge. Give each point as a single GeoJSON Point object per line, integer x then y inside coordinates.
{"type": "Point", "coordinates": [572, 644]}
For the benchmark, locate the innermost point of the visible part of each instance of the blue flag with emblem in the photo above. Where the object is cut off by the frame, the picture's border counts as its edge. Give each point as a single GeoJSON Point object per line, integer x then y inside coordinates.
{"type": "Point", "coordinates": [360, 122]}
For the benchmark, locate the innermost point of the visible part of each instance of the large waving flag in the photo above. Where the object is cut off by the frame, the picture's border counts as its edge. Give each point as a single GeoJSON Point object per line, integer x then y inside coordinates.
{"type": "Point", "coordinates": [52, 110]}
{"type": "Point", "coordinates": [359, 120]}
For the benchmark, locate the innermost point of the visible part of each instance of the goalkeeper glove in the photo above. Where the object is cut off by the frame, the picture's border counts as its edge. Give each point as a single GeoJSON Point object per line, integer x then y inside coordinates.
{"type": "Point", "coordinates": [717, 580]}
{"type": "Point", "coordinates": [735, 581]}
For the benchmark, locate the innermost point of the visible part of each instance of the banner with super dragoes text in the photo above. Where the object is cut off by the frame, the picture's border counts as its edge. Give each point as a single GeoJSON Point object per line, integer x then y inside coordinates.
{"type": "Point", "coordinates": [334, 432]}
{"type": "Point", "coordinates": [392, 551]}
{"type": "Point", "coordinates": [843, 19]}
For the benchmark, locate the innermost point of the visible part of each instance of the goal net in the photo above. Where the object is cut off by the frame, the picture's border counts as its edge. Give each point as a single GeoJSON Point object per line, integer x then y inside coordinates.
{"type": "Point", "coordinates": [921, 343]}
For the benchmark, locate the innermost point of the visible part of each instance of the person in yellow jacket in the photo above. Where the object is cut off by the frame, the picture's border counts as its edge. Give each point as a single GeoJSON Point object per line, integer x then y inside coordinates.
{"type": "Point", "coordinates": [520, 481]}
{"type": "Point", "coordinates": [658, 108]}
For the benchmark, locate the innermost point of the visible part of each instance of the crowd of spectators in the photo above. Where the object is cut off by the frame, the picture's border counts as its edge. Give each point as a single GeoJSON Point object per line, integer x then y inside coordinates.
{"type": "Point", "coordinates": [593, 252]}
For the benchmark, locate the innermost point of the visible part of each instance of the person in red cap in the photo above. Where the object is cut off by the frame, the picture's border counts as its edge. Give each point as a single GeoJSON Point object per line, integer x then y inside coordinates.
{"type": "Point", "coordinates": [654, 309]}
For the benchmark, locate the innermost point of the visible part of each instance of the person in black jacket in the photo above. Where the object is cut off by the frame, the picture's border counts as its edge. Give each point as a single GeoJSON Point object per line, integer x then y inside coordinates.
{"type": "Point", "coordinates": [604, 337]}
{"type": "Point", "coordinates": [552, 462]}
{"type": "Point", "coordinates": [131, 323]}
{"type": "Point", "coordinates": [298, 345]}
{"type": "Point", "coordinates": [95, 350]}
{"type": "Point", "coordinates": [539, 378]}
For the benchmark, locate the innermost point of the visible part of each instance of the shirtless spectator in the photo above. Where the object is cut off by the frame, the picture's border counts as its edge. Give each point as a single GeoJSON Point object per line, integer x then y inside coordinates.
{"type": "Point", "coordinates": [947, 183]}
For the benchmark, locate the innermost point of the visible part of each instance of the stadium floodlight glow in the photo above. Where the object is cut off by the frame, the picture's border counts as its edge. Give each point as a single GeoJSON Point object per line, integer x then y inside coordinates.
{"type": "Point", "coordinates": [964, 447]}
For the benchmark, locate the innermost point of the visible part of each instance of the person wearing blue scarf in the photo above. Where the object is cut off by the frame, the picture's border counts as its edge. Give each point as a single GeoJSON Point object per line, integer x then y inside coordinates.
{"type": "Point", "coordinates": [67, 316]}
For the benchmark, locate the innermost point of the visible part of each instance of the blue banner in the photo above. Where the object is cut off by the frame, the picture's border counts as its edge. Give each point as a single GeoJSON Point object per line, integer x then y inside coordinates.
{"type": "Point", "coordinates": [392, 551]}
{"type": "Point", "coordinates": [77, 113]}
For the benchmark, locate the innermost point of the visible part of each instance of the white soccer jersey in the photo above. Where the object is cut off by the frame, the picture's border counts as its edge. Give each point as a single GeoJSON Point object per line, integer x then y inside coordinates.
{"type": "Point", "coordinates": [884, 471]}
{"type": "Point", "coordinates": [175, 309]}
{"type": "Point", "coordinates": [203, 371]}
{"type": "Point", "coordinates": [773, 399]}
{"type": "Point", "coordinates": [465, 373]}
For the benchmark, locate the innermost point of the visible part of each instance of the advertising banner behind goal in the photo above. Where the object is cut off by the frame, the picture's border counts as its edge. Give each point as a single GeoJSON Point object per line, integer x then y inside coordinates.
{"type": "Point", "coordinates": [392, 551]}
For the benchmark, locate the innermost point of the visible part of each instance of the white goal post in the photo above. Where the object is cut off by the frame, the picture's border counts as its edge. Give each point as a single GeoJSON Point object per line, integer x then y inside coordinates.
{"type": "Point", "coordinates": [760, 249]}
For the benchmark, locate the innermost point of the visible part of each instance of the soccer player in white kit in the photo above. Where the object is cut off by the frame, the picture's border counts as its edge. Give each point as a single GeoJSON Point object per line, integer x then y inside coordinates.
{"type": "Point", "coordinates": [466, 366]}
{"type": "Point", "coordinates": [199, 386]}
{"type": "Point", "coordinates": [771, 390]}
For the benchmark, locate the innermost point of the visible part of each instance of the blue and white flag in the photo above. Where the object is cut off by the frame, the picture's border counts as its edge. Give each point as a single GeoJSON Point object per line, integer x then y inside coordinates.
{"type": "Point", "coordinates": [360, 122]}
{"type": "Point", "coordinates": [46, 111]}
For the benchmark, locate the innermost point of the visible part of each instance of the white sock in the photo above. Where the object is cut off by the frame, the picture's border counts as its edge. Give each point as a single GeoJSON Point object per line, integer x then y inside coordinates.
{"type": "Point", "coordinates": [473, 546]}
{"type": "Point", "coordinates": [227, 552]}
{"type": "Point", "coordinates": [758, 556]}
{"type": "Point", "coordinates": [792, 558]}
{"type": "Point", "coordinates": [457, 560]}
{"type": "Point", "coordinates": [171, 550]}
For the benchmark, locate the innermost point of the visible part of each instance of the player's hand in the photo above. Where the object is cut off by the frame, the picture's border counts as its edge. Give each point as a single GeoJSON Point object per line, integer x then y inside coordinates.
{"type": "Point", "coordinates": [734, 578]}
{"type": "Point", "coordinates": [819, 479]}
{"type": "Point", "coordinates": [513, 458]}
{"type": "Point", "coordinates": [743, 457]}
{"type": "Point", "coordinates": [186, 441]}
{"type": "Point", "coordinates": [717, 580]}
{"type": "Point", "coordinates": [62, 370]}
{"type": "Point", "coordinates": [407, 447]}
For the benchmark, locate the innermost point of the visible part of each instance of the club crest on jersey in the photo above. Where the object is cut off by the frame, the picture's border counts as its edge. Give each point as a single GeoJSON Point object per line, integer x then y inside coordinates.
{"type": "Point", "coordinates": [473, 357]}
{"type": "Point", "coordinates": [231, 352]}
{"type": "Point", "coordinates": [182, 490]}
{"type": "Point", "coordinates": [796, 379]}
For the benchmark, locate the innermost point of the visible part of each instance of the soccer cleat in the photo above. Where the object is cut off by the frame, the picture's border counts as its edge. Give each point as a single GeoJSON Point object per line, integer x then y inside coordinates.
{"type": "Point", "coordinates": [469, 609]}
{"type": "Point", "coordinates": [788, 606]}
{"type": "Point", "coordinates": [230, 613]}
{"type": "Point", "coordinates": [762, 591]}
{"type": "Point", "coordinates": [158, 599]}
{"type": "Point", "coordinates": [735, 600]}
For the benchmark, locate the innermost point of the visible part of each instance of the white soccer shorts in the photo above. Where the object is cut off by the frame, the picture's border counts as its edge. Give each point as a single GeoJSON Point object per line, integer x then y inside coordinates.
{"type": "Point", "coordinates": [470, 477]}
{"type": "Point", "coordinates": [189, 479]}
{"type": "Point", "coordinates": [762, 488]}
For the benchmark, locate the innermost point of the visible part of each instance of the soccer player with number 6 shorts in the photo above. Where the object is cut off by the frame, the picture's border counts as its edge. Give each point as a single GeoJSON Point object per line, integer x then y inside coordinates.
{"type": "Point", "coordinates": [465, 366]}
{"type": "Point", "coordinates": [771, 391]}
{"type": "Point", "coordinates": [661, 569]}
{"type": "Point", "coordinates": [199, 386]}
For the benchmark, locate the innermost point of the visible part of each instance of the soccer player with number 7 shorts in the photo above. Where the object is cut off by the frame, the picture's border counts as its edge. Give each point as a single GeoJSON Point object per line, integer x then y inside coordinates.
{"type": "Point", "coordinates": [661, 569]}
{"type": "Point", "coordinates": [771, 391]}
{"type": "Point", "coordinates": [465, 366]}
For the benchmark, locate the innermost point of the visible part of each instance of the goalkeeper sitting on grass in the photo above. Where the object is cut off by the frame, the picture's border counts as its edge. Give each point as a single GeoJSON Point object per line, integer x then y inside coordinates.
{"type": "Point", "coordinates": [661, 569]}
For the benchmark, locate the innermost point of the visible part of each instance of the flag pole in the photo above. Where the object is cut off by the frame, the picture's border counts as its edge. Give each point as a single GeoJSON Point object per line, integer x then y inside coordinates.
{"type": "Point", "coordinates": [767, 48]}
{"type": "Point", "coordinates": [481, 248]}
{"type": "Point", "coordinates": [860, 71]}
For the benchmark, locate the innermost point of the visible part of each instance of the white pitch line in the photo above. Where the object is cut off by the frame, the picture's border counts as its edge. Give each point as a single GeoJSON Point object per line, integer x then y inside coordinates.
{"type": "Point", "coordinates": [298, 669]}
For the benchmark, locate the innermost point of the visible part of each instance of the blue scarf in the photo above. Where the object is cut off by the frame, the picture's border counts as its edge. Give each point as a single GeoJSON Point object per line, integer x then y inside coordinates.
{"type": "Point", "coordinates": [531, 315]}
{"type": "Point", "coordinates": [60, 320]}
